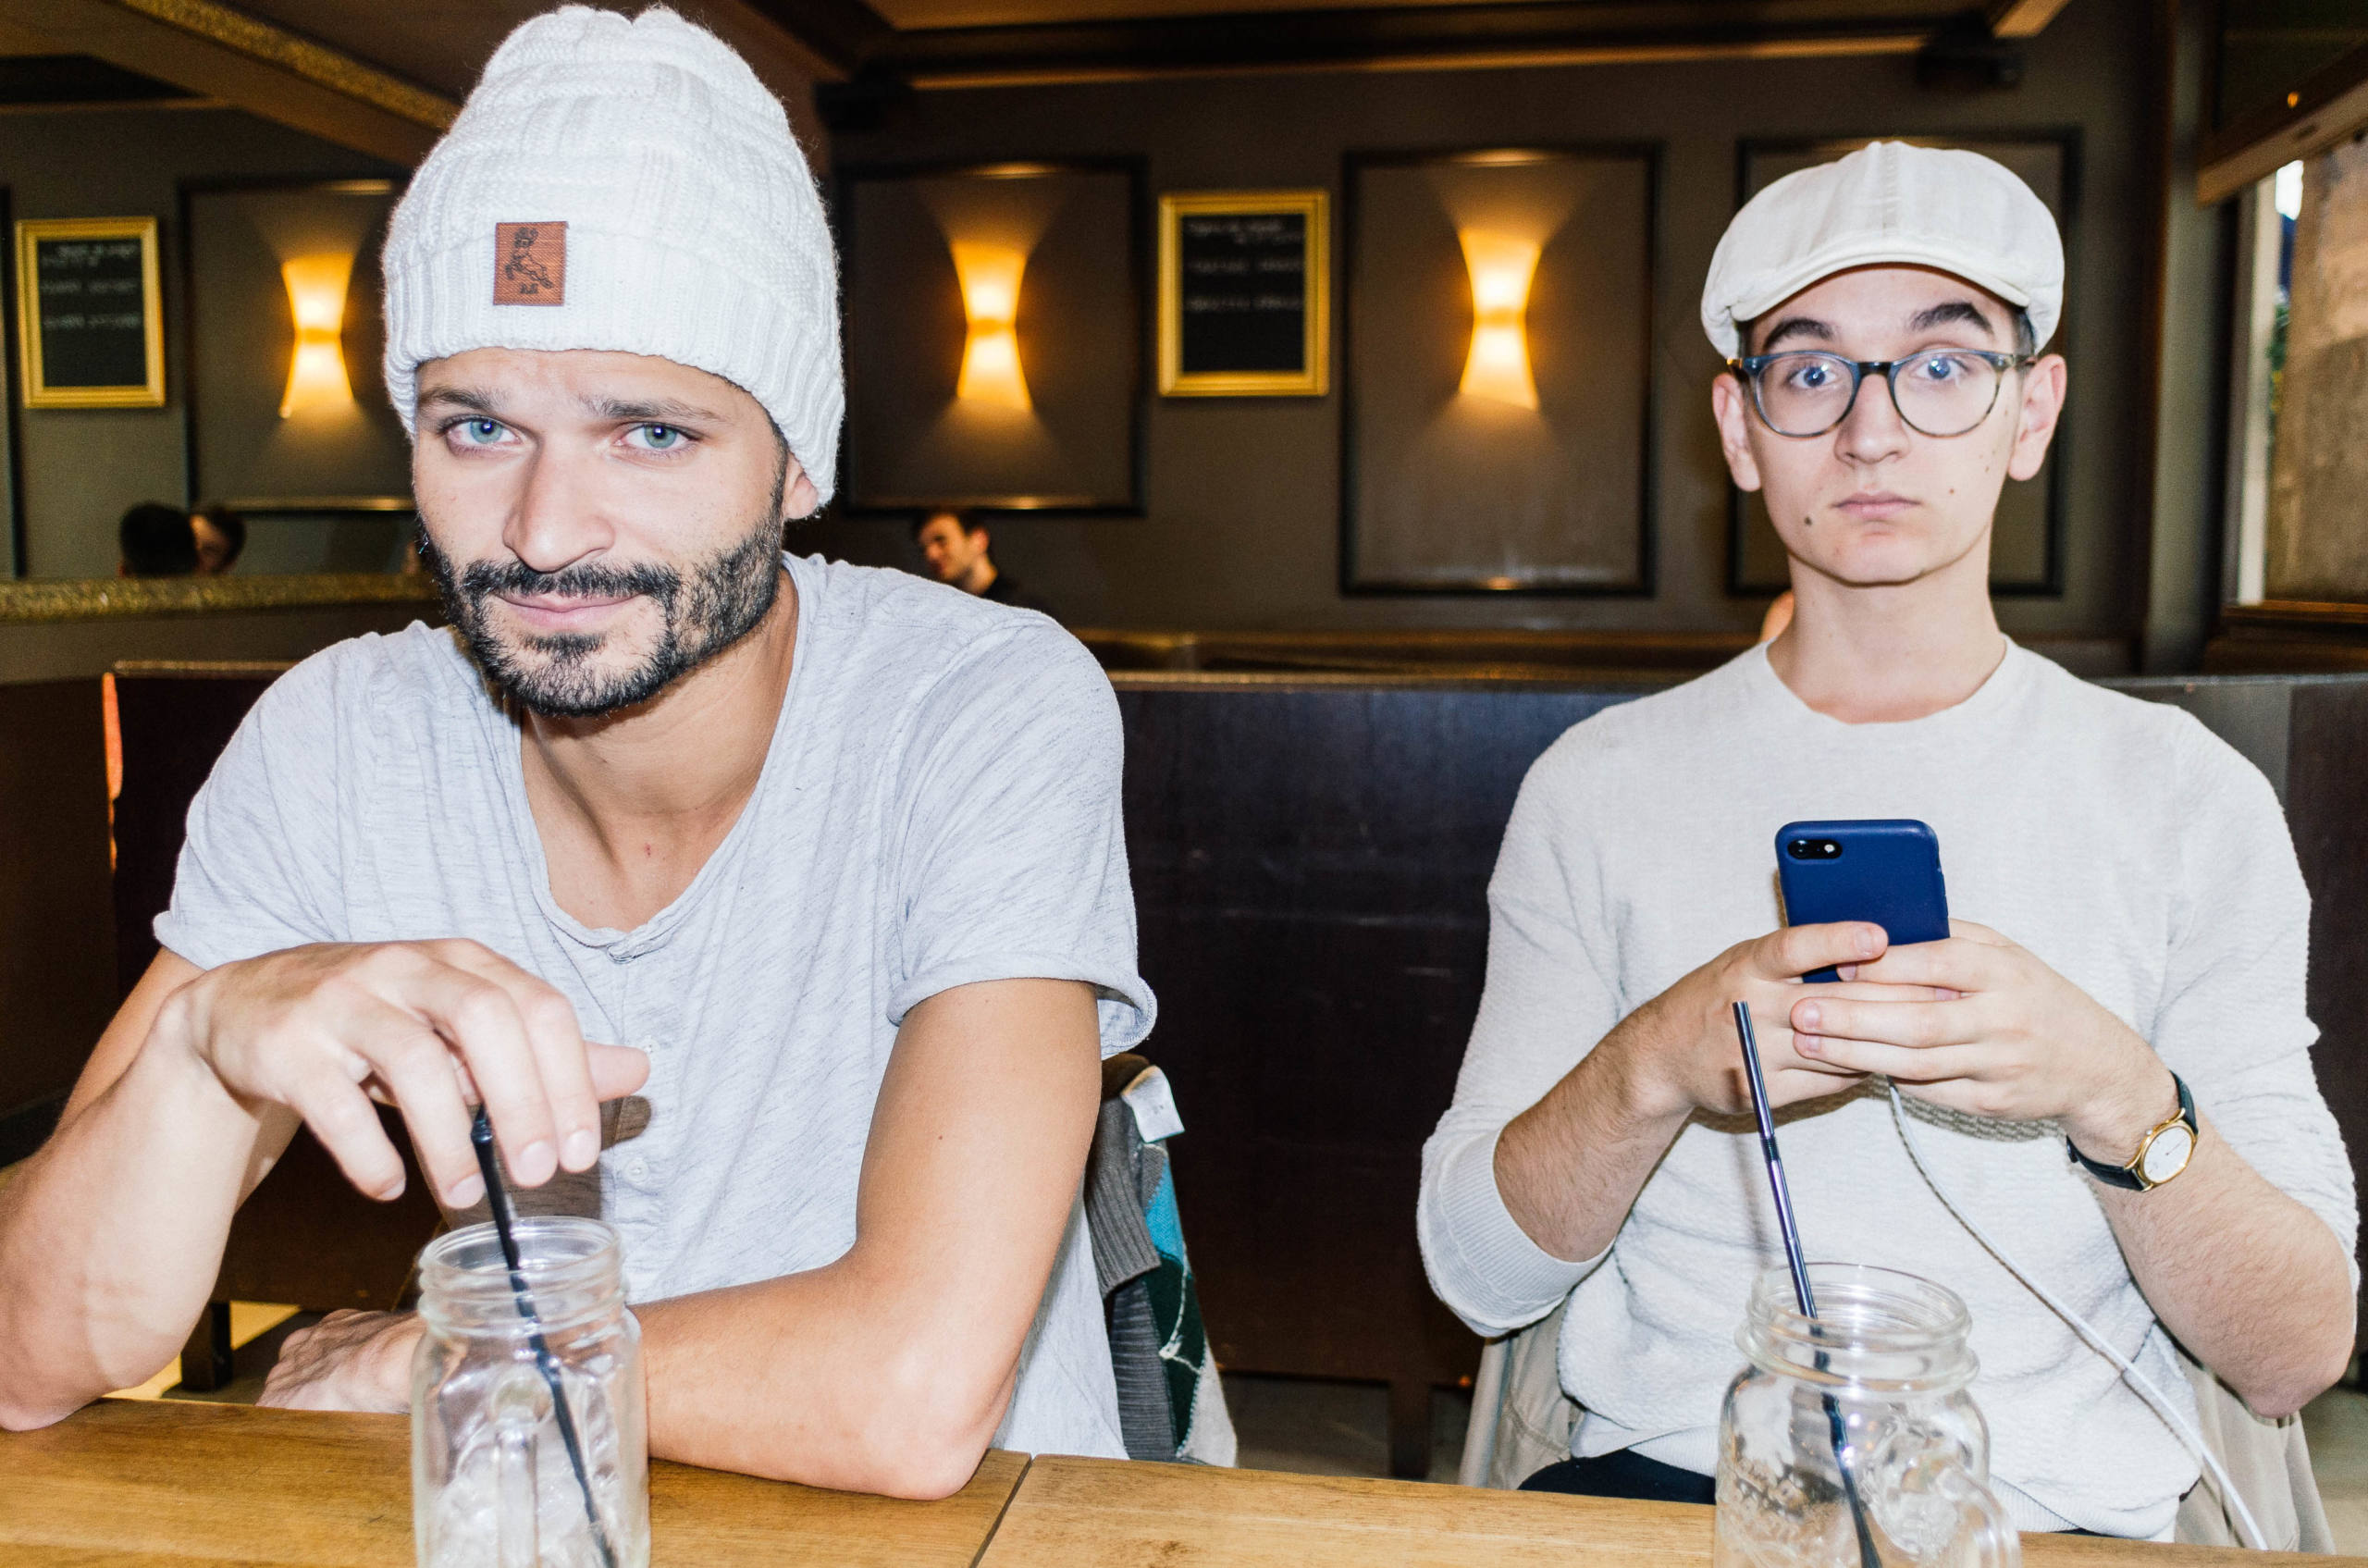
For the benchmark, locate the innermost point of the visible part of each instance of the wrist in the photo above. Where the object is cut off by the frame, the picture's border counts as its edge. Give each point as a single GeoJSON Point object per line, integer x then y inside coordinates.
{"type": "Point", "coordinates": [1635, 1080]}
{"type": "Point", "coordinates": [2110, 1124]}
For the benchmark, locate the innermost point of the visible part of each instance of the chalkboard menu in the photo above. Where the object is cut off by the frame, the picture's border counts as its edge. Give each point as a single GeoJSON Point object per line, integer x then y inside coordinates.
{"type": "Point", "coordinates": [89, 312]}
{"type": "Point", "coordinates": [1242, 294]}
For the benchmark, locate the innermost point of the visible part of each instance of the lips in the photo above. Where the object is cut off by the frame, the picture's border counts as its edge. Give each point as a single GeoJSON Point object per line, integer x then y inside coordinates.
{"type": "Point", "coordinates": [1876, 506]}
{"type": "Point", "coordinates": [560, 611]}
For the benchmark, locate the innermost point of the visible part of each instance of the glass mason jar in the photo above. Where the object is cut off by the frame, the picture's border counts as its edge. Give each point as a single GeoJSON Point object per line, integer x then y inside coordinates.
{"type": "Point", "coordinates": [1868, 1402]}
{"type": "Point", "coordinates": [494, 1457]}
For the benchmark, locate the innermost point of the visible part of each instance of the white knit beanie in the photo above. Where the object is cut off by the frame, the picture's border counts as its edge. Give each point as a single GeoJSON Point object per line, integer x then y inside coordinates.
{"type": "Point", "coordinates": [623, 183]}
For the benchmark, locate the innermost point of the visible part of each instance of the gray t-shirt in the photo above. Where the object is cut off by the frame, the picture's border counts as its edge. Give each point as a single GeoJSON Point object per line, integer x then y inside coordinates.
{"type": "Point", "coordinates": [940, 804]}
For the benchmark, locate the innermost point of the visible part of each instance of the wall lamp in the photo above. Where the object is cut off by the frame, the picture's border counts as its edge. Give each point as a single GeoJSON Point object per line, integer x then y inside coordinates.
{"type": "Point", "coordinates": [989, 279]}
{"type": "Point", "coordinates": [1501, 268]}
{"type": "Point", "coordinates": [316, 378]}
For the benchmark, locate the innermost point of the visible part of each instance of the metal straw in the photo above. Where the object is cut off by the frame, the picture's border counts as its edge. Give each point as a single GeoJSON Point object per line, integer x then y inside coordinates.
{"type": "Point", "coordinates": [498, 1198]}
{"type": "Point", "coordinates": [1803, 1296]}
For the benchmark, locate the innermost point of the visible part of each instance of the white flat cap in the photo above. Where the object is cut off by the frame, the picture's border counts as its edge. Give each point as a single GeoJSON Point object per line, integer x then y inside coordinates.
{"type": "Point", "coordinates": [1888, 203]}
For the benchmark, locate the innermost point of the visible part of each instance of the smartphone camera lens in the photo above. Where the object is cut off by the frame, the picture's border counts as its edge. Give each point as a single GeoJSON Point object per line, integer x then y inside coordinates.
{"type": "Point", "coordinates": [1798, 848]}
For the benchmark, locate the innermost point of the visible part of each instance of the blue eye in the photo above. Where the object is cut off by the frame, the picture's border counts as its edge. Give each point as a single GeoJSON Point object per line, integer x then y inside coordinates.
{"type": "Point", "coordinates": [1944, 367]}
{"type": "Point", "coordinates": [660, 438]}
{"type": "Point", "coordinates": [481, 432]}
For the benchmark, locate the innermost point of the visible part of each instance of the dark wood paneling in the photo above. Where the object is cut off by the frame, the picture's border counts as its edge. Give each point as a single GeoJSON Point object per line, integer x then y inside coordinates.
{"type": "Point", "coordinates": [2326, 806]}
{"type": "Point", "coordinates": [1311, 869]}
{"type": "Point", "coordinates": [56, 969]}
{"type": "Point", "coordinates": [305, 1237]}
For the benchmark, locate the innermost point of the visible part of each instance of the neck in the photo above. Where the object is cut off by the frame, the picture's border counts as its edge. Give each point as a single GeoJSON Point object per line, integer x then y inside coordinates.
{"type": "Point", "coordinates": [630, 805]}
{"type": "Point", "coordinates": [980, 578]}
{"type": "Point", "coordinates": [1899, 651]}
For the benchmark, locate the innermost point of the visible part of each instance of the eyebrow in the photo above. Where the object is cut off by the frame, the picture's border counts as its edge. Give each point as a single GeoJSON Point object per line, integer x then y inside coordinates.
{"type": "Point", "coordinates": [470, 398]}
{"type": "Point", "coordinates": [1948, 312]}
{"type": "Point", "coordinates": [1797, 327]}
{"type": "Point", "coordinates": [665, 411]}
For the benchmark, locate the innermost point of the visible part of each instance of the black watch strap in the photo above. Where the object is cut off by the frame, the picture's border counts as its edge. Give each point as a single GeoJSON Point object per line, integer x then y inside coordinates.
{"type": "Point", "coordinates": [2125, 1176]}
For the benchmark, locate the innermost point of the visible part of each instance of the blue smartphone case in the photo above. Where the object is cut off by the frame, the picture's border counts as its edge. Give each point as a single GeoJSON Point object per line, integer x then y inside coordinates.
{"type": "Point", "coordinates": [1887, 872]}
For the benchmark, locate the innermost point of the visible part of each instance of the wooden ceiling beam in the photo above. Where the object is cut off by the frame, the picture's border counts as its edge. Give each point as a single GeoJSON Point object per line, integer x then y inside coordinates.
{"type": "Point", "coordinates": [269, 73]}
{"type": "Point", "coordinates": [2022, 18]}
{"type": "Point", "coordinates": [1483, 36]}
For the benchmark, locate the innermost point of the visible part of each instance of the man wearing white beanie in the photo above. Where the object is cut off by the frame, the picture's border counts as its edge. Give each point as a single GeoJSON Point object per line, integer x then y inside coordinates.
{"type": "Point", "coordinates": [822, 866]}
{"type": "Point", "coordinates": [2141, 953]}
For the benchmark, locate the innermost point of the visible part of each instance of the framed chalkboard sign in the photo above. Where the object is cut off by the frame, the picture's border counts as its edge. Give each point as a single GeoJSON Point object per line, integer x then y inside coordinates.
{"type": "Point", "coordinates": [1244, 295]}
{"type": "Point", "coordinates": [89, 315]}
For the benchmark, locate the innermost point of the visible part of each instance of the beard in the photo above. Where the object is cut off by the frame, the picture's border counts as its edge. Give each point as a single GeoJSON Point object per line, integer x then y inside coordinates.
{"type": "Point", "coordinates": [705, 608]}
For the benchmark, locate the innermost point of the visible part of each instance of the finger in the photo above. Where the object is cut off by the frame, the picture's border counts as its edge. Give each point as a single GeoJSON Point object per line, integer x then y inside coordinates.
{"type": "Point", "coordinates": [479, 1017]}
{"type": "Point", "coordinates": [341, 1116]}
{"type": "Point", "coordinates": [1792, 951]}
{"type": "Point", "coordinates": [1973, 930]}
{"type": "Point", "coordinates": [617, 1071]}
{"type": "Point", "coordinates": [560, 1054]}
{"type": "Point", "coordinates": [1908, 1064]}
{"type": "Point", "coordinates": [1958, 963]}
{"type": "Point", "coordinates": [1865, 990]}
{"type": "Point", "coordinates": [418, 1069]}
{"type": "Point", "coordinates": [1920, 1024]}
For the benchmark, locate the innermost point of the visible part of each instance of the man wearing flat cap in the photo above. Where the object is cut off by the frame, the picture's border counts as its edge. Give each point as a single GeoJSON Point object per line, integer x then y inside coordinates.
{"type": "Point", "coordinates": [821, 865]}
{"type": "Point", "coordinates": [2106, 1062]}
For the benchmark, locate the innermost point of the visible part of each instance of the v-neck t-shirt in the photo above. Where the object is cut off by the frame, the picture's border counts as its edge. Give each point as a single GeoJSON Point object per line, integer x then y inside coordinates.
{"type": "Point", "coordinates": [939, 806]}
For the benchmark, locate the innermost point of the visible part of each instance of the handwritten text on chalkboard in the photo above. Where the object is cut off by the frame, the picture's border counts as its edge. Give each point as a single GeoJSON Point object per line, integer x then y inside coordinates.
{"type": "Point", "coordinates": [1243, 291]}
{"type": "Point", "coordinates": [92, 315]}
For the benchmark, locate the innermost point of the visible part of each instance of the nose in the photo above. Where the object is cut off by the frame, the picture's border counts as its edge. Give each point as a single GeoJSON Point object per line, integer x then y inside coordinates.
{"type": "Point", "coordinates": [555, 520]}
{"type": "Point", "coordinates": [1873, 432]}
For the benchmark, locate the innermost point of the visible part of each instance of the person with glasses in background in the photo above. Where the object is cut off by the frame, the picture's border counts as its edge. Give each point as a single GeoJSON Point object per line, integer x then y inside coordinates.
{"type": "Point", "coordinates": [2108, 1059]}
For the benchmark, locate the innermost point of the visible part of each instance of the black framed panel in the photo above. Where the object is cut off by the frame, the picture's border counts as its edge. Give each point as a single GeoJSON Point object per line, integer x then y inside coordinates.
{"type": "Point", "coordinates": [12, 493]}
{"type": "Point", "coordinates": [284, 332]}
{"type": "Point", "coordinates": [1497, 391]}
{"type": "Point", "coordinates": [2026, 543]}
{"type": "Point", "coordinates": [994, 335]}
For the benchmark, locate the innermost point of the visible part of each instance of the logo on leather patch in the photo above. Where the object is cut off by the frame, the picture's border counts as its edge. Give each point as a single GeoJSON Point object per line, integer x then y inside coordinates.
{"type": "Point", "coordinates": [530, 264]}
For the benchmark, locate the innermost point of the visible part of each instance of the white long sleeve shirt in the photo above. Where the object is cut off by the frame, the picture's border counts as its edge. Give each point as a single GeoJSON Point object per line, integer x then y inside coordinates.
{"type": "Point", "coordinates": [2119, 840]}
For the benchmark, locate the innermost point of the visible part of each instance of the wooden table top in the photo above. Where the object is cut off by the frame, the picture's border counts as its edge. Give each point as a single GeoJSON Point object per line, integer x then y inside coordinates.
{"type": "Point", "coordinates": [1105, 1513]}
{"type": "Point", "coordinates": [173, 1483]}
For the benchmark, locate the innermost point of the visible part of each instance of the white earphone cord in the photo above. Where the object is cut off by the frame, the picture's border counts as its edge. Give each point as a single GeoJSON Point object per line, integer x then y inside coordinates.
{"type": "Point", "coordinates": [2138, 1380]}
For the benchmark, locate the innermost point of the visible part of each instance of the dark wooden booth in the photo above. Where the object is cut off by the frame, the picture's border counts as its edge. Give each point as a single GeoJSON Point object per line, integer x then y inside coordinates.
{"type": "Point", "coordinates": [1310, 855]}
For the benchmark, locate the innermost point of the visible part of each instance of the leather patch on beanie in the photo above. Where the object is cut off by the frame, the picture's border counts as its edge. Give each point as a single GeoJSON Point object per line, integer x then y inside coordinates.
{"type": "Point", "coordinates": [530, 264]}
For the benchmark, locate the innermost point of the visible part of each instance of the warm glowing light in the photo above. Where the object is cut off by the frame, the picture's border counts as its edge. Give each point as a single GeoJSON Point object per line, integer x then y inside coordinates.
{"type": "Point", "coordinates": [316, 377]}
{"type": "Point", "coordinates": [989, 279]}
{"type": "Point", "coordinates": [1501, 268]}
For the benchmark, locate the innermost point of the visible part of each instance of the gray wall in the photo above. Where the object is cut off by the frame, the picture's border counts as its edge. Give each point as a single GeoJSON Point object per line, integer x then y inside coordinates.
{"type": "Point", "coordinates": [1243, 518]}
{"type": "Point", "coordinates": [82, 467]}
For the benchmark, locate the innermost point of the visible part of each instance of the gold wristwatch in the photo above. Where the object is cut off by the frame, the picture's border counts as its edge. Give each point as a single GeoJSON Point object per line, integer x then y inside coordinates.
{"type": "Point", "coordinates": [2162, 1154]}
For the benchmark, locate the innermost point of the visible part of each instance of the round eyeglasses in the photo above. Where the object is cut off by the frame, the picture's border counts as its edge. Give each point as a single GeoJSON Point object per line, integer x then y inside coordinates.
{"type": "Point", "coordinates": [1938, 392]}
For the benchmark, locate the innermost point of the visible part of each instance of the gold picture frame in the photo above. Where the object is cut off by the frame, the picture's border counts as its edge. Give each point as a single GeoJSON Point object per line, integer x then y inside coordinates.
{"type": "Point", "coordinates": [44, 380]}
{"type": "Point", "coordinates": [1311, 376]}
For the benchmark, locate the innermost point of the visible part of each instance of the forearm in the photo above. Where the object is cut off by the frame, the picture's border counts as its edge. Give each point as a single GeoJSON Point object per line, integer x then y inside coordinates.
{"type": "Point", "coordinates": [1570, 1167]}
{"type": "Point", "coordinates": [2251, 1281]}
{"type": "Point", "coordinates": [111, 1235]}
{"type": "Point", "coordinates": [834, 1378]}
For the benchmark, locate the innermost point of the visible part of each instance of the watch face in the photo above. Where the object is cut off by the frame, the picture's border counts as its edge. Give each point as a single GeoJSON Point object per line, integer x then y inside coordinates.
{"type": "Point", "coordinates": [2167, 1154]}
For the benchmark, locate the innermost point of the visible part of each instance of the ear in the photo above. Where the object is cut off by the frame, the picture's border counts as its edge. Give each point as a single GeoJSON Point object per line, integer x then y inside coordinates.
{"type": "Point", "coordinates": [799, 498]}
{"type": "Point", "coordinates": [1731, 407]}
{"type": "Point", "coordinates": [2044, 387]}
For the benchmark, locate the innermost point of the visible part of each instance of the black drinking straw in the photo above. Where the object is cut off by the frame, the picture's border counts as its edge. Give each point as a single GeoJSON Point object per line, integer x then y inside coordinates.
{"type": "Point", "coordinates": [481, 1134]}
{"type": "Point", "coordinates": [1802, 1295]}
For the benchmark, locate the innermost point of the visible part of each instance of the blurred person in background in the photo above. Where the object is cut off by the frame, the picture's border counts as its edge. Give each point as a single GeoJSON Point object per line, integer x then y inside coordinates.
{"type": "Point", "coordinates": [957, 551]}
{"type": "Point", "coordinates": [221, 535]}
{"type": "Point", "coordinates": [156, 541]}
